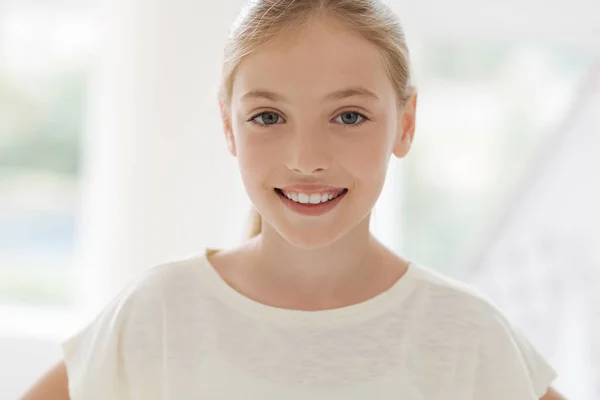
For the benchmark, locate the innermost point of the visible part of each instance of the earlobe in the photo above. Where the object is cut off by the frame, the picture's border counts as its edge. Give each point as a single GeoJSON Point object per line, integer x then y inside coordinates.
{"type": "Point", "coordinates": [225, 117]}
{"type": "Point", "coordinates": [402, 145]}
{"type": "Point", "coordinates": [406, 128]}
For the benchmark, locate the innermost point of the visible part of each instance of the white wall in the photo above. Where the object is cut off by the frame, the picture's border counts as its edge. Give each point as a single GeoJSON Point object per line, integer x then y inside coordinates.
{"type": "Point", "coordinates": [155, 149]}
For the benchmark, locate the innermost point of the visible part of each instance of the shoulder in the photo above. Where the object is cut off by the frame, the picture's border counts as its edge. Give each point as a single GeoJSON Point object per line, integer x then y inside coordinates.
{"type": "Point", "coordinates": [125, 335]}
{"type": "Point", "coordinates": [454, 298]}
{"type": "Point", "coordinates": [464, 302]}
{"type": "Point", "coordinates": [158, 298]}
{"type": "Point", "coordinates": [149, 287]}
{"type": "Point", "coordinates": [143, 294]}
{"type": "Point", "coordinates": [167, 279]}
{"type": "Point", "coordinates": [506, 363]}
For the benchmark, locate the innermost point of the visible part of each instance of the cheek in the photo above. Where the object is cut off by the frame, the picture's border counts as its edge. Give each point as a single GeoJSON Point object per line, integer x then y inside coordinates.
{"type": "Point", "coordinates": [254, 163]}
{"type": "Point", "coordinates": [256, 157]}
{"type": "Point", "coordinates": [367, 157]}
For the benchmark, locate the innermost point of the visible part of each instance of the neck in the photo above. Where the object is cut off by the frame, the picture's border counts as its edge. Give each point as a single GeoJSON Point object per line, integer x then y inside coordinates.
{"type": "Point", "coordinates": [346, 262]}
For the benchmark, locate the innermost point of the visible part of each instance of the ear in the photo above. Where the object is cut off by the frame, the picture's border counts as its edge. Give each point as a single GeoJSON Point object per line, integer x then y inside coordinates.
{"type": "Point", "coordinates": [226, 119]}
{"type": "Point", "coordinates": [406, 128]}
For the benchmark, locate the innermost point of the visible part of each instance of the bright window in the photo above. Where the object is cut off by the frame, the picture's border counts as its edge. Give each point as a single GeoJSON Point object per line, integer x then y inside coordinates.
{"type": "Point", "coordinates": [45, 57]}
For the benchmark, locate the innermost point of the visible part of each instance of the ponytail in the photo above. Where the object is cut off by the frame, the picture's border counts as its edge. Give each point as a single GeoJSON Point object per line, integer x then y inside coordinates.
{"type": "Point", "coordinates": [253, 224]}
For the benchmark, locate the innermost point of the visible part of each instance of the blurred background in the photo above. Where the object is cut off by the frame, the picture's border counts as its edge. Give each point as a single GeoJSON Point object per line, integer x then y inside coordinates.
{"type": "Point", "coordinates": [112, 159]}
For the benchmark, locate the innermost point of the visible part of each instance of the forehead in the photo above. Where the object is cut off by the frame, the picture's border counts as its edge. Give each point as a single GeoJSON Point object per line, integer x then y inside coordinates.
{"type": "Point", "coordinates": [314, 61]}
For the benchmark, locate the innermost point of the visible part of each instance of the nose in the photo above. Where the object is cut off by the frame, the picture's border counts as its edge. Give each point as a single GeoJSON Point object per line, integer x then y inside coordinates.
{"type": "Point", "coordinates": [309, 152]}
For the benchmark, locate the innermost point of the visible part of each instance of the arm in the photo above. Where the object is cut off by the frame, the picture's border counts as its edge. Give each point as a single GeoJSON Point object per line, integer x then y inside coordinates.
{"type": "Point", "coordinates": [52, 386]}
{"type": "Point", "coordinates": [552, 394]}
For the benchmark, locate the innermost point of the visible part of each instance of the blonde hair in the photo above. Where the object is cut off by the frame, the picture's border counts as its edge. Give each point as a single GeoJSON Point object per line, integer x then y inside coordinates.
{"type": "Point", "coordinates": [262, 20]}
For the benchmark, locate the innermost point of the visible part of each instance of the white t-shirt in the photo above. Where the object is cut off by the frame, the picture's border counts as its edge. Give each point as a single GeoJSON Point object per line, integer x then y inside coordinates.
{"type": "Point", "coordinates": [179, 331]}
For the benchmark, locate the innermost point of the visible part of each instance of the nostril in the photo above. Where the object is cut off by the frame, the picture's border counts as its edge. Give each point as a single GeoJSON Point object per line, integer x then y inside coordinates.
{"type": "Point", "coordinates": [314, 171]}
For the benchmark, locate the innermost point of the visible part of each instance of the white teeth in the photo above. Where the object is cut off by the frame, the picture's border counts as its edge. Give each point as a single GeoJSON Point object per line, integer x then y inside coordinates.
{"type": "Point", "coordinates": [314, 198]}
{"type": "Point", "coordinates": [303, 198]}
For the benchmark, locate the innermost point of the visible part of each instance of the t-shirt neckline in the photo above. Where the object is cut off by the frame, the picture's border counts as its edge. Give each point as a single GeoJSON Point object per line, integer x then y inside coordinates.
{"type": "Point", "coordinates": [365, 309]}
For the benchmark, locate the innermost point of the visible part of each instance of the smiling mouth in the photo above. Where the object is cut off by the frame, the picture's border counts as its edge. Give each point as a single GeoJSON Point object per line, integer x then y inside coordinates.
{"type": "Point", "coordinates": [309, 199]}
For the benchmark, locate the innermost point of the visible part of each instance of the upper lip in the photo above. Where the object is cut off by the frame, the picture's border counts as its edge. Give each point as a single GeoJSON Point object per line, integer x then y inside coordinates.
{"type": "Point", "coordinates": [308, 188]}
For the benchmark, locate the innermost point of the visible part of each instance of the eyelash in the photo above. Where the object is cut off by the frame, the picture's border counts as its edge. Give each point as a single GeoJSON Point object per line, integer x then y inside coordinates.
{"type": "Point", "coordinates": [364, 119]}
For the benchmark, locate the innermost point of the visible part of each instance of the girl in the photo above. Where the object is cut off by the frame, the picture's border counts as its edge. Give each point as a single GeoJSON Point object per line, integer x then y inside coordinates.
{"type": "Point", "coordinates": [316, 97]}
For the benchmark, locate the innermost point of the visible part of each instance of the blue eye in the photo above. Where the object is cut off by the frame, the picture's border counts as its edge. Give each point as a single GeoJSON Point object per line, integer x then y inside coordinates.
{"type": "Point", "coordinates": [351, 118]}
{"type": "Point", "coordinates": [267, 118]}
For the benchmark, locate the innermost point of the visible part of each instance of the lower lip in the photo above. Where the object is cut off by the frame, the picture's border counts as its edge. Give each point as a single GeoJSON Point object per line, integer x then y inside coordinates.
{"type": "Point", "coordinates": [312, 210]}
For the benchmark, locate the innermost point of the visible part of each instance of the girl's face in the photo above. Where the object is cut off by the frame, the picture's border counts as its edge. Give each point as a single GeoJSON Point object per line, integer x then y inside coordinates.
{"type": "Point", "coordinates": [314, 115]}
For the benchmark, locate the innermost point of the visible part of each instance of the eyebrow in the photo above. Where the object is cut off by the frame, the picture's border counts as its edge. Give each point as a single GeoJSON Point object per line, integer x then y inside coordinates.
{"type": "Point", "coordinates": [337, 95]}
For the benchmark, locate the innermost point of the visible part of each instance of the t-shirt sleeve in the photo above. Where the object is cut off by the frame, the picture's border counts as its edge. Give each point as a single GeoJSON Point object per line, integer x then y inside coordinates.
{"type": "Point", "coordinates": [509, 366]}
{"type": "Point", "coordinates": [96, 355]}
